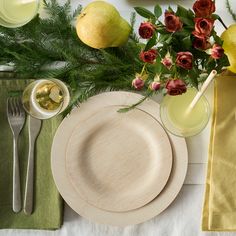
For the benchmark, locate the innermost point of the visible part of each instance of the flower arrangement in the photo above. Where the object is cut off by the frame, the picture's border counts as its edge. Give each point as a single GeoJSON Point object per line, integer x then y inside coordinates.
{"type": "Point", "coordinates": [180, 51]}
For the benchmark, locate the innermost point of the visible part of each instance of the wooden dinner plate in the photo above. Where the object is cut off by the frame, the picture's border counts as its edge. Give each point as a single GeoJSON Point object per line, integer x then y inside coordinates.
{"type": "Point", "coordinates": [73, 198]}
{"type": "Point", "coordinates": [118, 161]}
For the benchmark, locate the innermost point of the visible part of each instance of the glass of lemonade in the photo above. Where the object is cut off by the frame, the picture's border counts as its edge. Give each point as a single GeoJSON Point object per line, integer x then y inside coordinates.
{"type": "Point", "coordinates": [46, 98]}
{"type": "Point", "coordinates": [16, 13]}
{"type": "Point", "coordinates": [179, 119]}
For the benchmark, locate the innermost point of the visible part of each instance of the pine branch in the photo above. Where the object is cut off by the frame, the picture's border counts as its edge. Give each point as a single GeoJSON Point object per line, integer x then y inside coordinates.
{"type": "Point", "coordinates": [230, 10]}
{"type": "Point", "coordinates": [133, 35]}
{"type": "Point", "coordinates": [34, 48]}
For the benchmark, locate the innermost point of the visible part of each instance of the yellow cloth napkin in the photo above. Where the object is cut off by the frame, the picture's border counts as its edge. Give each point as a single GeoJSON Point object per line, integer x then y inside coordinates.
{"type": "Point", "coordinates": [219, 210]}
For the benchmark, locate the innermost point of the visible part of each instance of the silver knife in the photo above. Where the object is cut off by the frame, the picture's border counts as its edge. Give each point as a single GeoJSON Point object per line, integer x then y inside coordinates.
{"type": "Point", "coordinates": [34, 127]}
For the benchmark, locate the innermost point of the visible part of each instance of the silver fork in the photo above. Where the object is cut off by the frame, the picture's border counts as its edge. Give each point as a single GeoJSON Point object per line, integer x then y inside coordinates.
{"type": "Point", "coordinates": [16, 119]}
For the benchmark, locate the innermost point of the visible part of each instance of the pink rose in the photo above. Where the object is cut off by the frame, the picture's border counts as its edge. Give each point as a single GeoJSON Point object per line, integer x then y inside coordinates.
{"type": "Point", "coordinates": [146, 30]}
{"type": "Point", "coordinates": [203, 26]}
{"type": "Point", "coordinates": [185, 60]}
{"type": "Point", "coordinates": [204, 8]}
{"type": "Point", "coordinates": [217, 51]}
{"type": "Point", "coordinates": [154, 86]}
{"type": "Point", "coordinates": [172, 22]}
{"type": "Point", "coordinates": [167, 62]}
{"type": "Point", "coordinates": [148, 56]}
{"type": "Point", "coordinates": [138, 83]}
{"type": "Point", "coordinates": [176, 87]}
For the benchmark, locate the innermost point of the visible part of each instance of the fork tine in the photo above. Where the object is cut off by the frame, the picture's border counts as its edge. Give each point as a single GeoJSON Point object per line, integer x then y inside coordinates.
{"type": "Point", "coordinates": [17, 104]}
{"type": "Point", "coordinates": [21, 108]}
{"type": "Point", "coordinates": [10, 108]}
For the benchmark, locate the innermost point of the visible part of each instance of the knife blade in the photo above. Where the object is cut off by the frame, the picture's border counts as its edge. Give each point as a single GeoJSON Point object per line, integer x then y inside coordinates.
{"type": "Point", "coordinates": [34, 127]}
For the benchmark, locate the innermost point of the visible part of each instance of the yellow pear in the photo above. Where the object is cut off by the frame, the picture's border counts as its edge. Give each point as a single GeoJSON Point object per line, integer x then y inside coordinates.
{"type": "Point", "coordinates": [229, 45]}
{"type": "Point", "coordinates": [100, 25]}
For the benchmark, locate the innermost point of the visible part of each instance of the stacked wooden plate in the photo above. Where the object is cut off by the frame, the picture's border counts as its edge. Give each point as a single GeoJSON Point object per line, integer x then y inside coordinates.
{"type": "Point", "coordinates": [16, 13]}
{"type": "Point", "coordinates": [117, 168]}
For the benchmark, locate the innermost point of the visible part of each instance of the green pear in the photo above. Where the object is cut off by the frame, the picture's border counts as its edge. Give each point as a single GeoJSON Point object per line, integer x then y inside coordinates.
{"type": "Point", "coordinates": [100, 26]}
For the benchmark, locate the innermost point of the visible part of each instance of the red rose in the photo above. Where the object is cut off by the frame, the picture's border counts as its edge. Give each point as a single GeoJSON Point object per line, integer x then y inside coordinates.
{"type": "Point", "coordinates": [203, 26]}
{"type": "Point", "coordinates": [176, 87]}
{"type": "Point", "coordinates": [146, 30]}
{"type": "Point", "coordinates": [204, 8]}
{"type": "Point", "coordinates": [217, 51]}
{"type": "Point", "coordinates": [148, 56]}
{"type": "Point", "coordinates": [138, 83]}
{"type": "Point", "coordinates": [200, 41]}
{"type": "Point", "coordinates": [172, 22]}
{"type": "Point", "coordinates": [154, 86]}
{"type": "Point", "coordinates": [185, 60]}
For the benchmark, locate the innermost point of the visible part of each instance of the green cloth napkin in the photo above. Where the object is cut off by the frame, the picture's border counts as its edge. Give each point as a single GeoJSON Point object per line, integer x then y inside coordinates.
{"type": "Point", "coordinates": [48, 205]}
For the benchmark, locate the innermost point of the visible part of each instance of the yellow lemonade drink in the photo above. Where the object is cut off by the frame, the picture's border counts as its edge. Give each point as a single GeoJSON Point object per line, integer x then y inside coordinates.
{"type": "Point", "coordinates": [18, 12]}
{"type": "Point", "coordinates": [179, 119]}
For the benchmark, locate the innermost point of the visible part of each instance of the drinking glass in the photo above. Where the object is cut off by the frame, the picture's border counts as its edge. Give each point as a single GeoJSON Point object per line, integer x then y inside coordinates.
{"type": "Point", "coordinates": [178, 119]}
{"type": "Point", "coordinates": [16, 13]}
{"type": "Point", "coordinates": [46, 98]}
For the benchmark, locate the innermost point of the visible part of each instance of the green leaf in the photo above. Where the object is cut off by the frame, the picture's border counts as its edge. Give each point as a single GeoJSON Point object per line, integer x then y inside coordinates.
{"type": "Point", "coordinates": [211, 65]}
{"type": "Point", "coordinates": [170, 9]}
{"type": "Point", "coordinates": [190, 13]}
{"type": "Point", "coordinates": [187, 43]}
{"type": "Point", "coordinates": [193, 77]}
{"type": "Point", "coordinates": [162, 30]}
{"type": "Point", "coordinates": [217, 39]}
{"type": "Point", "coordinates": [215, 16]}
{"type": "Point", "coordinates": [151, 42]}
{"type": "Point", "coordinates": [181, 11]}
{"type": "Point", "coordinates": [144, 12]}
{"type": "Point", "coordinates": [157, 11]}
{"type": "Point", "coordinates": [187, 21]}
{"type": "Point", "coordinates": [165, 38]}
{"type": "Point", "coordinates": [222, 62]}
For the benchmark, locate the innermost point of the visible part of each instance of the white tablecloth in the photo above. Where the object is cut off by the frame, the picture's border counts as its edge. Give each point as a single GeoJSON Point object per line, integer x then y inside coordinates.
{"type": "Point", "coordinates": [183, 216]}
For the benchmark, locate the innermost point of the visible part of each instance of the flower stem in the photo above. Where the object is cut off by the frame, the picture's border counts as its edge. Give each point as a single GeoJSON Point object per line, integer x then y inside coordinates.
{"type": "Point", "coordinates": [222, 22]}
{"type": "Point", "coordinates": [131, 107]}
{"type": "Point", "coordinates": [143, 69]}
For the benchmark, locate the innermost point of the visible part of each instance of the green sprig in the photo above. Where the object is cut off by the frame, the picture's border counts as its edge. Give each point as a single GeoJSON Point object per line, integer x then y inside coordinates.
{"type": "Point", "coordinates": [37, 47]}
{"type": "Point", "coordinates": [230, 10]}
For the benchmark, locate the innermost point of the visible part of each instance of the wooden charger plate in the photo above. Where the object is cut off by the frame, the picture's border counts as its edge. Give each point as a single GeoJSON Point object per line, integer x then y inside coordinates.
{"type": "Point", "coordinates": [71, 196]}
{"type": "Point", "coordinates": [118, 161]}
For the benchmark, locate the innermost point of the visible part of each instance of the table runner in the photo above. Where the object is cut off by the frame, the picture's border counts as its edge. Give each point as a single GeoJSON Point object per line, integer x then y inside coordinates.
{"type": "Point", "coordinates": [219, 211]}
{"type": "Point", "coordinates": [48, 203]}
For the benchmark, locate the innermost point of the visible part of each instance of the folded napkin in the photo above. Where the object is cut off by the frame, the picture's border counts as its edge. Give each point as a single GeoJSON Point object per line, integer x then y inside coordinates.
{"type": "Point", "coordinates": [48, 207]}
{"type": "Point", "coordinates": [219, 210]}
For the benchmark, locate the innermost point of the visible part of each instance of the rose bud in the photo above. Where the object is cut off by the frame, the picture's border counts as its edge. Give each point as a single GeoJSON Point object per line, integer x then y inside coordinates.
{"type": "Point", "coordinates": [185, 60]}
{"type": "Point", "coordinates": [172, 22]}
{"type": "Point", "coordinates": [146, 30]}
{"type": "Point", "coordinates": [148, 56]}
{"type": "Point", "coordinates": [204, 8]}
{"type": "Point", "coordinates": [217, 51]}
{"type": "Point", "coordinates": [203, 26]}
{"type": "Point", "coordinates": [154, 86]}
{"type": "Point", "coordinates": [176, 87]}
{"type": "Point", "coordinates": [138, 83]}
{"type": "Point", "coordinates": [167, 61]}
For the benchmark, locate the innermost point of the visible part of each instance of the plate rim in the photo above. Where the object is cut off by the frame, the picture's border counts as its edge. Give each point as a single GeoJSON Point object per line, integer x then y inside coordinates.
{"type": "Point", "coordinates": [150, 210]}
{"type": "Point", "coordinates": [155, 189]}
